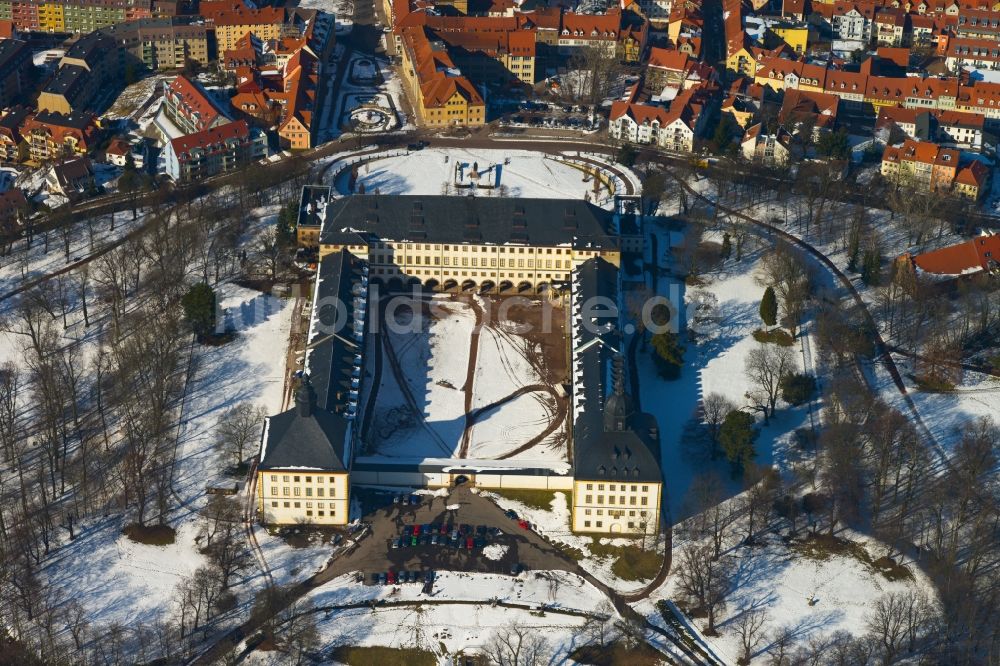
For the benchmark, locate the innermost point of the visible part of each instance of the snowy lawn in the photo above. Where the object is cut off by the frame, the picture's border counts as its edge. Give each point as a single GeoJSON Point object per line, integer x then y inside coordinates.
{"type": "Point", "coordinates": [420, 411]}
{"type": "Point", "coordinates": [430, 171]}
{"type": "Point", "coordinates": [456, 627]}
{"type": "Point", "coordinates": [782, 581]}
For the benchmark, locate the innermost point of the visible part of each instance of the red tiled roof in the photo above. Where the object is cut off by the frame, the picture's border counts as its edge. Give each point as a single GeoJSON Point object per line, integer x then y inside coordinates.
{"type": "Point", "coordinates": [961, 258]}
{"type": "Point", "coordinates": [238, 129]}
{"type": "Point", "coordinates": [195, 100]}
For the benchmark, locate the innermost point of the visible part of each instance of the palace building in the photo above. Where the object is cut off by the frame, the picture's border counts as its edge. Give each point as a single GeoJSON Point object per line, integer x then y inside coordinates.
{"type": "Point", "coordinates": [566, 250]}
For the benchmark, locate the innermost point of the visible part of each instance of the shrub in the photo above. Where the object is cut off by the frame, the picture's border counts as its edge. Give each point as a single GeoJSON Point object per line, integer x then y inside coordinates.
{"type": "Point", "coordinates": [775, 336]}
{"type": "Point", "coordinates": [797, 388]}
{"type": "Point", "coordinates": [668, 353]}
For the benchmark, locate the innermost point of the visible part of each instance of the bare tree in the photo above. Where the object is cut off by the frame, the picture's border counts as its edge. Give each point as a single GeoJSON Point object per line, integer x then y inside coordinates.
{"type": "Point", "coordinates": [238, 429]}
{"type": "Point", "coordinates": [517, 645]}
{"type": "Point", "coordinates": [714, 408]}
{"type": "Point", "coordinates": [748, 627]}
{"type": "Point", "coordinates": [765, 365]}
{"type": "Point", "coordinates": [703, 580]}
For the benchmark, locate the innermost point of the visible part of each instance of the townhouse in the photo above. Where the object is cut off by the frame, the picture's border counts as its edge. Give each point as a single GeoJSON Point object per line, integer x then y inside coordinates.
{"type": "Point", "coordinates": [673, 69]}
{"type": "Point", "coordinates": [233, 20]}
{"type": "Point", "coordinates": [920, 165]}
{"type": "Point", "coordinates": [442, 95]}
{"type": "Point", "coordinates": [221, 149]}
{"type": "Point", "coordinates": [51, 135]}
{"type": "Point", "coordinates": [79, 16]}
{"type": "Point", "coordinates": [11, 123]}
{"type": "Point", "coordinates": [673, 128]}
{"type": "Point", "coordinates": [190, 107]}
{"type": "Point", "coordinates": [770, 148]}
{"type": "Point", "coordinates": [164, 43]}
{"type": "Point", "coordinates": [953, 129]}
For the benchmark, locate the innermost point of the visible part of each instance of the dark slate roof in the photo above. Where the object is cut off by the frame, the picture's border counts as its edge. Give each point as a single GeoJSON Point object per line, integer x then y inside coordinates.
{"type": "Point", "coordinates": [66, 79]}
{"type": "Point", "coordinates": [296, 441]}
{"type": "Point", "coordinates": [334, 366]}
{"type": "Point", "coordinates": [631, 454]}
{"type": "Point", "coordinates": [465, 219]}
{"type": "Point", "coordinates": [320, 438]}
{"type": "Point", "coordinates": [312, 205]}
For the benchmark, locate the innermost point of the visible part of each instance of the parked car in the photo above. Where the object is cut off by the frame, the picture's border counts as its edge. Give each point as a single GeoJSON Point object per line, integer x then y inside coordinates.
{"type": "Point", "coordinates": [443, 529]}
{"type": "Point", "coordinates": [416, 530]}
{"type": "Point", "coordinates": [395, 543]}
{"type": "Point", "coordinates": [375, 578]}
{"type": "Point", "coordinates": [434, 539]}
{"type": "Point", "coordinates": [398, 499]}
{"type": "Point", "coordinates": [414, 500]}
{"type": "Point", "coordinates": [391, 577]}
{"type": "Point", "coordinates": [510, 513]}
{"type": "Point", "coordinates": [515, 569]}
{"type": "Point", "coordinates": [523, 524]}
{"type": "Point", "coordinates": [429, 577]}
{"type": "Point", "coordinates": [480, 542]}
{"type": "Point", "coordinates": [407, 530]}
{"type": "Point", "coordinates": [382, 579]}
{"type": "Point", "coordinates": [469, 543]}
{"type": "Point", "coordinates": [455, 534]}
{"type": "Point", "coordinates": [413, 540]}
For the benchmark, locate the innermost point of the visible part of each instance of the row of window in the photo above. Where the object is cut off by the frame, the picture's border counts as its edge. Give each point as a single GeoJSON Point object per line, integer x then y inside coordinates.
{"type": "Point", "coordinates": [589, 499]}
{"type": "Point", "coordinates": [586, 523]}
{"type": "Point", "coordinates": [614, 514]}
{"type": "Point", "coordinates": [620, 487]}
{"type": "Point", "coordinates": [319, 507]}
{"type": "Point", "coordinates": [309, 491]}
{"type": "Point", "coordinates": [468, 248]}
{"type": "Point", "coordinates": [446, 261]}
{"type": "Point", "coordinates": [296, 478]}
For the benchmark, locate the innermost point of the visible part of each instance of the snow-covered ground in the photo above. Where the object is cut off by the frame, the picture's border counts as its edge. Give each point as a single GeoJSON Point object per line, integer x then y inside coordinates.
{"type": "Point", "coordinates": [430, 171]}
{"type": "Point", "coordinates": [434, 362]}
{"type": "Point", "coordinates": [343, 11]}
{"type": "Point", "coordinates": [119, 580]}
{"type": "Point", "coordinates": [842, 588]}
{"type": "Point", "coordinates": [456, 627]}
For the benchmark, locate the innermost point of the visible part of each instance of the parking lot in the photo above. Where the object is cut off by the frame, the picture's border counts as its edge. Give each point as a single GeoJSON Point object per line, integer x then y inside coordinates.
{"type": "Point", "coordinates": [472, 534]}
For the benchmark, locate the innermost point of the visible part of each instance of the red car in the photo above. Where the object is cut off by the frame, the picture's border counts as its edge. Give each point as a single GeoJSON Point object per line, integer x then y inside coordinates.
{"type": "Point", "coordinates": [391, 578]}
{"type": "Point", "coordinates": [416, 530]}
{"type": "Point", "coordinates": [523, 524]}
{"type": "Point", "coordinates": [469, 543]}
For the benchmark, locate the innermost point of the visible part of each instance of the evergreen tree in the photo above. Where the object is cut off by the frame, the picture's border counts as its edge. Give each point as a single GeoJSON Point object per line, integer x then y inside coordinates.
{"type": "Point", "coordinates": [668, 353]}
{"type": "Point", "coordinates": [199, 309]}
{"type": "Point", "coordinates": [736, 436]}
{"type": "Point", "coordinates": [871, 267]}
{"type": "Point", "coordinates": [797, 388]}
{"type": "Point", "coordinates": [769, 307]}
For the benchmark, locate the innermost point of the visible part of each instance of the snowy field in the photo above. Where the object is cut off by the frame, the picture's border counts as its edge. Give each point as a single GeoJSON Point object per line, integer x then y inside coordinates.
{"type": "Point", "coordinates": [431, 171]}
{"type": "Point", "coordinates": [421, 405]}
{"type": "Point", "coordinates": [134, 97]}
{"type": "Point", "coordinates": [436, 624]}
{"type": "Point", "coordinates": [842, 588]}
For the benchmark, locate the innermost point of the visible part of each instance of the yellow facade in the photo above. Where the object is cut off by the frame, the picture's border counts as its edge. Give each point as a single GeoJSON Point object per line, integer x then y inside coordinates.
{"type": "Point", "coordinates": [290, 497]}
{"type": "Point", "coordinates": [797, 37]}
{"type": "Point", "coordinates": [612, 507]}
{"type": "Point", "coordinates": [51, 17]}
{"type": "Point", "coordinates": [506, 267]}
{"type": "Point", "coordinates": [741, 62]}
{"type": "Point", "coordinates": [227, 35]}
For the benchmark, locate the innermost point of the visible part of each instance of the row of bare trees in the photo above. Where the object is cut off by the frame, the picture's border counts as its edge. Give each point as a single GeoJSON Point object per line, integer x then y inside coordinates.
{"type": "Point", "coordinates": [89, 423]}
